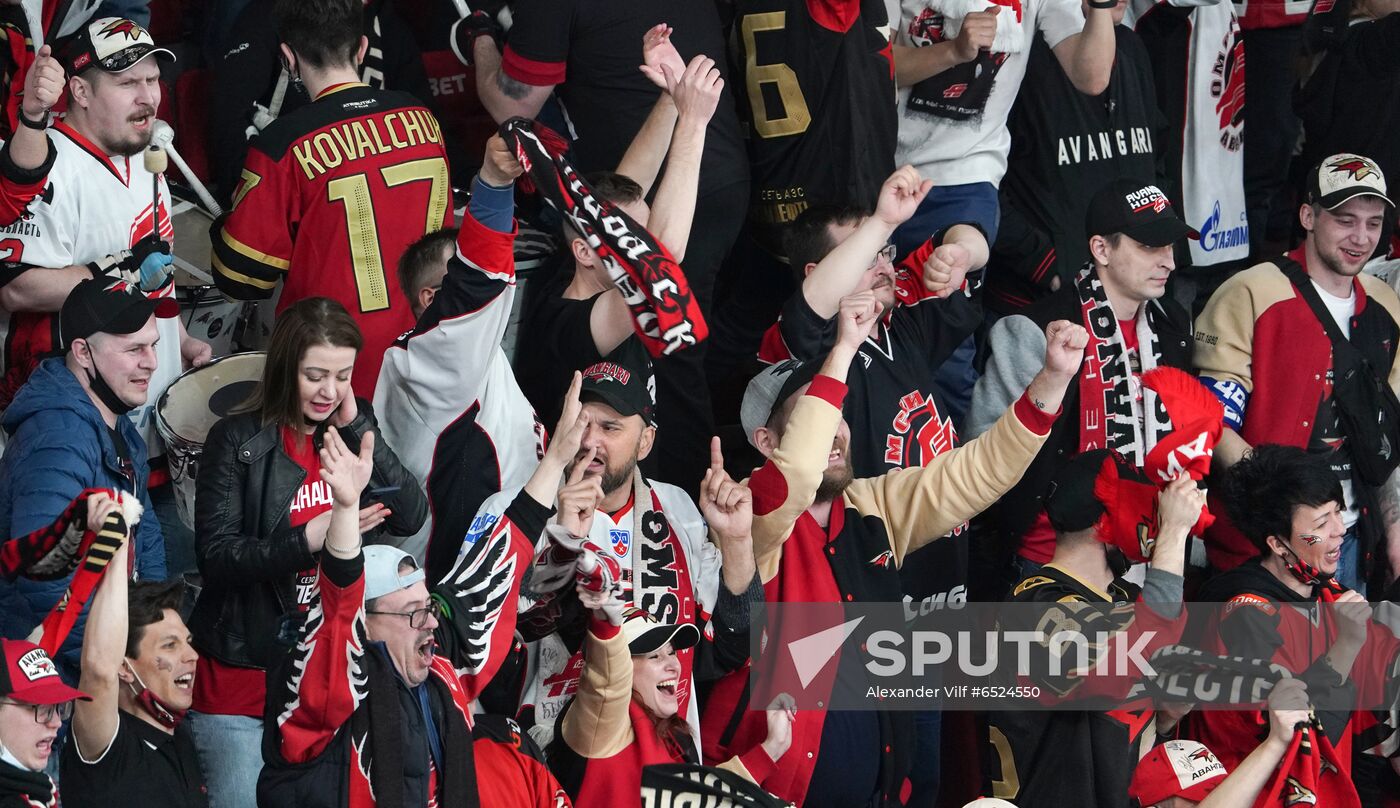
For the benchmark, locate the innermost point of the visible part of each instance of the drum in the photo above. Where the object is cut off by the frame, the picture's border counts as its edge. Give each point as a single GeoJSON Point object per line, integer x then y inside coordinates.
{"type": "Point", "coordinates": [190, 407]}
{"type": "Point", "coordinates": [208, 315]}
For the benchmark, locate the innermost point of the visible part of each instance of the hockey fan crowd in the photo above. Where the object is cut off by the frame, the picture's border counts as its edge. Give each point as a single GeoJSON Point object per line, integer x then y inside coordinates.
{"type": "Point", "coordinates": [416, 403]}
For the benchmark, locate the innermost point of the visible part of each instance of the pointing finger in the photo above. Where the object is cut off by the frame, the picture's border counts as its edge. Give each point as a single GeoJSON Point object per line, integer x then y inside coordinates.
{"type": "Point", "coordinates": [581, 467]}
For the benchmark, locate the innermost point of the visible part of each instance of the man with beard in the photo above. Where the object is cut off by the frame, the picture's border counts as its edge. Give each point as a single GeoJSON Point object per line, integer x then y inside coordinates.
{"type": "Point", "coordinates": [1119, 298]}
{"type": "Point", "coordinates": [67, 434]}
{"type": "Point", "coordinates": [899, 417]}
{"type": "Point", "coordinates": [657, 537]}
{"type": "Point", "coordinates": [95, 219]}
{"type": "Point", "coordinates": [1268, 357]}
{"type": "Point", "coordinates": [822, 536]}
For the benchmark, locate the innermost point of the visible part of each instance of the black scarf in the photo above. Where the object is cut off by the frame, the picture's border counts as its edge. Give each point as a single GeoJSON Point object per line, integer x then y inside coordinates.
{"type": "Point", "coordinates": [22, 788]}
{"type": "Point", "coordinates": [384, 722]}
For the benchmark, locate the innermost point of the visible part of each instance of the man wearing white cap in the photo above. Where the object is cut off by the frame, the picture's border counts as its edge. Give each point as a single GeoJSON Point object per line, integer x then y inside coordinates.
{"type": "Point", "coordinates": [1272, 340]}
{"type": "Point", "coordinates": [95, 218]}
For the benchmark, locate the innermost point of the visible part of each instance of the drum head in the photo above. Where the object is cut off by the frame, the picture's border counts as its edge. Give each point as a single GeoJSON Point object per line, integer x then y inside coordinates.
{"type": "Point", "coordinates": [194, 402]}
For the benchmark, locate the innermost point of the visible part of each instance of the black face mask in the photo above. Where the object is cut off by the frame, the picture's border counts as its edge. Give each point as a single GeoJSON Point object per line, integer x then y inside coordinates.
{"type": "Point", "coordinates": [104, 391]}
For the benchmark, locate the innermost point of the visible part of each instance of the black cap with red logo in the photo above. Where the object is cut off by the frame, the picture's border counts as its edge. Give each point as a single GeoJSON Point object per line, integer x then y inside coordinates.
{"type": "Point", "coordinates": [623, 381]}
{"type": "Point", "coordinates": [1138, 210]}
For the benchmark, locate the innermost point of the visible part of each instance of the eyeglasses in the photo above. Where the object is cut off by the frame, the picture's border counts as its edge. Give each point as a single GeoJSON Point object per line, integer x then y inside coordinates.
{"type": "Point", "coordinates": [418, 618]}
{"type": "Point", "coordinates": [44, 713]}
{"type": "Point", "coordinates": [886, 255]}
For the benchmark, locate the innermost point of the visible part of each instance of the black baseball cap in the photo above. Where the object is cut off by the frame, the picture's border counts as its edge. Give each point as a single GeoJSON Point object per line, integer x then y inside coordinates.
{"type": "Point", "coordinates": [1070, 503]}
{"type": "Point", "coordinates": [110, 44]}
{"type": "Point", "coordinates": [1137, 209]}
{"type": "Point", "coordinates": [623, 381]}
{"type": "Point", "coordinates": [1344, 176]}
{"type": "Point", "coordinates": [645, 633]}
{"type": "Point", "coordinates": [108, 306]}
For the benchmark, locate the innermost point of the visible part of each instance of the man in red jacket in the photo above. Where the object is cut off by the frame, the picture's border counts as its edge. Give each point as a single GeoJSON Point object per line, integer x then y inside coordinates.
{"type": "Point", "coordinates": [821, 536]}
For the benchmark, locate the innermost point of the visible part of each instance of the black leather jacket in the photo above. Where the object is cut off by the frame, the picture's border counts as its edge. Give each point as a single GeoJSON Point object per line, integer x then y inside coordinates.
{"type": "Point", "coordinates": [248, 552]}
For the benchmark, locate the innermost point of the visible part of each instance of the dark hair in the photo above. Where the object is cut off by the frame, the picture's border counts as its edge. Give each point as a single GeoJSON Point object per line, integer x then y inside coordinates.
{"type": "Point", "coordinates": [607, 186]}
{"type": "Point", "coordinates": [313, 321]}
{"type": "Point", "coordinates": [808, 239]}
{"type": "Point", "coordinates": [1262, 491]}
{"type": "Point", "coordinates": [325, 33]}
{"type": "Point", "coordinates": [673, 730]}
{"type": "Point", "coordinates": [421, 256]}
{"type": "Point", "coordinates": [146, 603]}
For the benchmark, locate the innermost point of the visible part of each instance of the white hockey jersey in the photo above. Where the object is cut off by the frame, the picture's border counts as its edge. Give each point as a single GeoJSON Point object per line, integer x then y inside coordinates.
{"type": "Point", "coordinates": [646, 563]}
{"type": "Point", "coordinates": [93, 206]}
{"type": "Point", "coordinates": [1212, 164]}
{"type": "Point", "coordinates": [448, 402]}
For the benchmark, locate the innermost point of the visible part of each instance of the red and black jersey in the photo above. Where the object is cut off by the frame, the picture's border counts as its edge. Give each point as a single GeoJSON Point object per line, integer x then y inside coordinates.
{"type": "Point", "coordinates": [337, 691]}
{"type": "Point", "coordinates": [819, 84]}
{"type": "Point", "coordinates": [1260, 617]}
{"type": "Point", "coordinates": [330, 197]}
{"type": "Point", "coordinates": [897, 416]}
{"type": "Point", "coordinates": [1031, 750]}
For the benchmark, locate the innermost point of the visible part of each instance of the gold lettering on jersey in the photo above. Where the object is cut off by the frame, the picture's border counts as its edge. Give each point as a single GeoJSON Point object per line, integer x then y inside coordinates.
{"type": "Point", "coordinates": [309, 166]}
{"type": "Point", "coordinates": [430, 124]}
{"type": "Point", "coordinates": [325, 149]}
{"type": "Point", "coordinates": [393, 135]}
{"type": "Point", "coordinates": [353, 140]}
{"type": "Point", "coordinates": [344, 141]}
{"type": "Point", "coordinates": [412, 127]}
{"type": "Point", "coordinates": [374, 131]}
{"type": "Point", "coordinates": [363, 141]}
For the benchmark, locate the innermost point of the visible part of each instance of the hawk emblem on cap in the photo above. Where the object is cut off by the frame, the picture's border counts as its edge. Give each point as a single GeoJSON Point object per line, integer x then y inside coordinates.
{"type": "Point", "coordinates": [36, 665]}
{"type": "Point", "coordinates": [1202, 754]}
{"type": "Point", "coordinates": [127, 27]}
{"type": "Point", "coordinates": [1358, 169]}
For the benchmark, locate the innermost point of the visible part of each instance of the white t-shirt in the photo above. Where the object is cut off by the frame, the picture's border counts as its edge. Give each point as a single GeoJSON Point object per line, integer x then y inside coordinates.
{"type": "Point", "coordinates": [1342, 310]}
{"type": "Point", "coordinates": [93, 206]}
{"type": "Point", "coordinates": [957, 152]}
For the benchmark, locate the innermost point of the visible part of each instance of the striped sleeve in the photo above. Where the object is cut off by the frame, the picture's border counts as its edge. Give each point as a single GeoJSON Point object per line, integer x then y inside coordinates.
{"type": "Point", "coordinates": [252, 244]}
{"type": "Point", "coordinates": [325, 680]}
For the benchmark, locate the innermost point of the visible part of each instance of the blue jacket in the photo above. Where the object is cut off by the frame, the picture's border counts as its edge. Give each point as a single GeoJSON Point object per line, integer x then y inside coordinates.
{"type": "Point", "coordinates": [58, 446]}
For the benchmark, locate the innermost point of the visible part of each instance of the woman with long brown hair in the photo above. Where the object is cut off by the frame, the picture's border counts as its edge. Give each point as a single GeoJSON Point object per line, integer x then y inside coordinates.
{"type": "Point", "coordinates": [261, 515]}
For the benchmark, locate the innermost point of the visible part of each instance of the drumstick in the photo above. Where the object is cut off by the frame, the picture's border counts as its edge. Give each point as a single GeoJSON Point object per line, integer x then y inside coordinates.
{"type": "Point", "coordinates": [156, 163]}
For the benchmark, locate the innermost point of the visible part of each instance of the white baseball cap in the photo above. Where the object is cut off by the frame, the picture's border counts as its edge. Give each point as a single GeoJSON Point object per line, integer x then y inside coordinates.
{"type": "Point", "coordinates": [382, 576]}
{"type": "Point", "coordinates": [1344, 176]}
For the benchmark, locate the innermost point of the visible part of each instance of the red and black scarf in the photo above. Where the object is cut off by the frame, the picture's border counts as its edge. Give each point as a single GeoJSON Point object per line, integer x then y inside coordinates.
{"type": "Point", "coordinates": [1115, 412]}
{"type": "Point", "coordinates": [52, 552]}
{"type": "Point", "coordinates": [1309, 774]}
{"type": "Point", "coordinates": [665, 315]}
